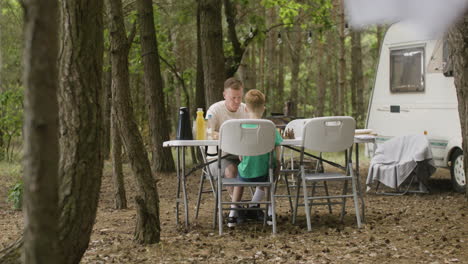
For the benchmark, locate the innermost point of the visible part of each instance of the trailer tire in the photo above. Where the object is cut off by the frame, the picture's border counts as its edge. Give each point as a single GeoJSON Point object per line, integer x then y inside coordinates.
{"type": "Point", "coordinates": [457, 171]}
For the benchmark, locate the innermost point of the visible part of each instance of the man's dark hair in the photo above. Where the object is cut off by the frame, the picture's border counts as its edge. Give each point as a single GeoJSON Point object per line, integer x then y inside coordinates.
{"type": "Point", "coordinates": [233, 83]}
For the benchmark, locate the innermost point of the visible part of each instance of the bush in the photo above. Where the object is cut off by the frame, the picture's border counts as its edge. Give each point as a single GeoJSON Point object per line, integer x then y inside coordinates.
{"type": "Point", "coordinates": [11, 120]}
{"type": "Point", "coordinates": [16, 195]}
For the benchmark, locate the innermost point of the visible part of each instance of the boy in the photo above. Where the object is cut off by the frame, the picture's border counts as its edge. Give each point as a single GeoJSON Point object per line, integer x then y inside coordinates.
{"type": "Point", "coordinates": [253, 168]}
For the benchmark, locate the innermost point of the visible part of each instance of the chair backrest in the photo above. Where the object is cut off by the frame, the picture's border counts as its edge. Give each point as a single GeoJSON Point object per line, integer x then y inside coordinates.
{"type": "Point", "coordinates": [329, 134]}
{"type": "Point", "coordinates": [248, 137]}
{"type": "Point", "coordinates": [297, 126]}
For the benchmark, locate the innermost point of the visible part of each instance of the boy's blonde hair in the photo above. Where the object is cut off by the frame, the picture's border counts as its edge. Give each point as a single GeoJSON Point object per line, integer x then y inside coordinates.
{"type": "Point", "coordinates": [255, 101]}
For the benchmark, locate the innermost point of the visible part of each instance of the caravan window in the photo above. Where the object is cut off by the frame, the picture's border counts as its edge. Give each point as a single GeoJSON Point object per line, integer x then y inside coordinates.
{"type": "Point", "coordinates": [407, 70]}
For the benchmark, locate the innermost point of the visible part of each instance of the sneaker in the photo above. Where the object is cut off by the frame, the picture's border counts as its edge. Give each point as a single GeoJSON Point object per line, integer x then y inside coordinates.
{"type": "Point", "coordinates": [269, 220]}
{"type": "Point", "coordinates": [256, 215]}
{"type": "Point", "coordinates": [241, 216]}
{"type": "Point", "coordinates": [231, 221]}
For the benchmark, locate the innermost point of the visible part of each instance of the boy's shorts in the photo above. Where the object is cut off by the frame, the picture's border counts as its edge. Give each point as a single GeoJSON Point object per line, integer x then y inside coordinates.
{"type": "Point", "coordinates": [257, 179]}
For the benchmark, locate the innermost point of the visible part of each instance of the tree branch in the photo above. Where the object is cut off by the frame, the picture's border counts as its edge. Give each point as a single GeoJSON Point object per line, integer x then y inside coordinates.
{"type": "Point", "coordinates": [176, 73]}
{"type": "Point", "coordinates": [132, 34]}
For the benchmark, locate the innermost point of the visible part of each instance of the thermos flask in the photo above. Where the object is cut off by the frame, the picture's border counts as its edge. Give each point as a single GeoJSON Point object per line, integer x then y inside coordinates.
{"type": "Point", "coordinates": [184, 130]}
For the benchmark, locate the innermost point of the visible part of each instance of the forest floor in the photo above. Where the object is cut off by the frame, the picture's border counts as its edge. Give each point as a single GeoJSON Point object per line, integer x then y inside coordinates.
{"type": "Point", "coordinates": [422, 228]}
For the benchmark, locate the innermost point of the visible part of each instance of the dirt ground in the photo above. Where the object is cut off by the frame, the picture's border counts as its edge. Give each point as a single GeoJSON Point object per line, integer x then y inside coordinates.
{"type": "Point", "coordinates": [430, 228]}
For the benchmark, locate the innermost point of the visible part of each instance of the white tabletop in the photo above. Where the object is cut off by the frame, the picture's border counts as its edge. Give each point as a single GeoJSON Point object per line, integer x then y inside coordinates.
{"type": "Point", "coordinates": [190, 143]}
{"type": "Point", "coordinates": [286, 142]}
{"type": "Point", "coordinates": [364, 138]}
{"type": "Point", "coordinates": [291, 142]}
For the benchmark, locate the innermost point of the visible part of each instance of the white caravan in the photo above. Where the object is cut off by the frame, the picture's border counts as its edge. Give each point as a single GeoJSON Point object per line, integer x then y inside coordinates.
{"type": "Point", "coordinates": [414, 93]}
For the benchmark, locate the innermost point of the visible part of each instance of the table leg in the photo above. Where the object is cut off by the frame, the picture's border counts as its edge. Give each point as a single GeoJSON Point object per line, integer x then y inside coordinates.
{"type": "Point", "coordinates": [184, 190]}
{"type": "Point", "coordinates": [363, 207]}
{"type": "Point", "coordinates": [178, 186]}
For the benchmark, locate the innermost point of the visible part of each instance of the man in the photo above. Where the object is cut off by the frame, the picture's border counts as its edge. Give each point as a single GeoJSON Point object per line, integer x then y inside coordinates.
{"type": "Point", "coordinates": [230, 108]}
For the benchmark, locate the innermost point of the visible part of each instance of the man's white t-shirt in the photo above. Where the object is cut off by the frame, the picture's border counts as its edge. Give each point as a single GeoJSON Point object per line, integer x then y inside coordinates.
{"type": "Point", "coordinates": [219, 113]}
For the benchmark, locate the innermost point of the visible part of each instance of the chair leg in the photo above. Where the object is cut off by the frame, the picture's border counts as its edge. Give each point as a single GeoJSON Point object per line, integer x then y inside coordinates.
{"type": "Point", "coordinates": [220, 208]}
{"type": "Point", "coordinates": [314, 186]}
{"type": "Point", "coordinates": [215, 210]}
{"type": "Point", "coordinates": [298, 188]}
{"type": "Point", "coordinates": [200, 190]}
{"type": "Point", "coordinates": [343, 204]}
{"type": "Point", "coordinates": [288, 190]}
{"type": "Point", "coordinates": [328, 199]}
{"type": "Point", "coordinates": [306, 204]}
{"type": "Point", "coordinates": [212, 184]}
{"type": "Point", "coordinates": [361, 197]}
{"type": "Point", "coordinates": [273, 209]}
{"type": "Point", "coordinates": [215, 193]}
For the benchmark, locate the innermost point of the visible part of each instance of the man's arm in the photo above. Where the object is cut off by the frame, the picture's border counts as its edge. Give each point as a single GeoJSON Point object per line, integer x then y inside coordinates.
{"type": "Point", "coordinates": [213, 122]}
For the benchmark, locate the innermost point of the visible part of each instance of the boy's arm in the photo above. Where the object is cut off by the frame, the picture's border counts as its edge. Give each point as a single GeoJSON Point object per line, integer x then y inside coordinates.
{"type": "Point", "coordinates": [278, 162]}
{"type": "Point", "coordinates": [278, 155]}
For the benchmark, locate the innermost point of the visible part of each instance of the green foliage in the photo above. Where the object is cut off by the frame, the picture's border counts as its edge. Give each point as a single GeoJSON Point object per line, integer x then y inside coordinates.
{"type": "Point", "coordinates": [317, 12]}
{"type": "Point", "coordinates": [11, 120]}
{"type": "Point", "coordinates": [11, 44]}
{"type": "Point", "coordinates": [288, 10]}
{"type": "Point", "coordinates": [15, 195]}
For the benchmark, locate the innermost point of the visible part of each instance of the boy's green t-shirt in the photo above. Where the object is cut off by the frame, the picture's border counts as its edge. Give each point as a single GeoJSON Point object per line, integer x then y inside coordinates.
{"type": "Point", "coordinates": [257, 166]}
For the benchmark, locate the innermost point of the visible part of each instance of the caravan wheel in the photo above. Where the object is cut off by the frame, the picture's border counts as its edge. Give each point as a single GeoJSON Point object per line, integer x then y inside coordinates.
{"type": "Point", "coordinates": [457, 171]}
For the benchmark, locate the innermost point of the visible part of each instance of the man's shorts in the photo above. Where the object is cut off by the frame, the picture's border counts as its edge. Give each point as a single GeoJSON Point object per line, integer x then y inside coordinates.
{"type": "Point", "coordinates": [230, 159]}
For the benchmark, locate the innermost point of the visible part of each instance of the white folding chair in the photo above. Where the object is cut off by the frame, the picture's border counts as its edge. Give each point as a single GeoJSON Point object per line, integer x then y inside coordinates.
{"type": "Point", "coordinates": [329, 134]}
{"type": "Point", "coordinates": [290, 168]}
{"type": "Point", "coordinates": [289, 165]}
{"type": "Point", "coordinates": [237, 139]}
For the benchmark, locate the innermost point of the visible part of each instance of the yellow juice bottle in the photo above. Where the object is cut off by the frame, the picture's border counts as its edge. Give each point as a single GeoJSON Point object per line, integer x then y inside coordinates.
{"type": "Point", "coordinates": [200, 121]}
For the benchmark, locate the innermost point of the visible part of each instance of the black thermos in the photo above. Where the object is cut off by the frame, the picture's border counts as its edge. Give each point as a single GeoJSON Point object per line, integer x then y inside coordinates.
{"type": "Point", "coordinates": [184, 130]}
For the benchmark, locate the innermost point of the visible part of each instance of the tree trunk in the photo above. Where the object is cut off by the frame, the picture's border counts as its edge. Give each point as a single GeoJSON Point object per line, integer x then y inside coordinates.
{"type": "Point", "coordinates": [340, 103]}
{"type": "Point", "coordinates": [246, 69]}
{"type": "Point", "coordinates": [280, 97]}
{"type": "Point", "coordinates": [253, 65]}
{"type": "Point", "coordinates": [148, 228]}
{"type": "Point", "coordinates": [271, 42]}
{"type": "Point", "coordinates": [2, 143]}
{"type": "Point", "coordinates": [117, 172]}
{"type": "Point", "coordinates": [331, 71]}
{"type": "Point", "coordinates": [320, 108]}
{"type": "Point", "coordinates": [233, 61]}
{"type": "Point", "coordinates": [81, 134]}
{"type": "Point", "coordinates": [106, 111]}
{"type": "Point", "coordinates": [357, 81]}
{"type": "Point", "coordinates": [261, 66]}
{"type": "Point", "coordinates": [459, 45]}
{"type": "Point", "coordinates": [211, 34]}
{"type": "Point", "coordinates": [200, 86]}
{"type": "Point", "coordinates": [378, 33]}
{"type": "Point", "coordinates": [296, 53]}
{"type": "Point", "coordinates": [157, 118]}
{"type": "Point", "coordinates": [40, 202]}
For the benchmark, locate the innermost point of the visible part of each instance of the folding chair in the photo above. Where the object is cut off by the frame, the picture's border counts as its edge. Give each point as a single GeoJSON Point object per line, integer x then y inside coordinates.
{"type": "Point", "coordinates": [290, 168]}
{"type": "Point", "coordinates": [329, 134]}
{"type": "Point", "coordinates": [207, 174]}
{"type": "Point", "coordinates": [237, 139]}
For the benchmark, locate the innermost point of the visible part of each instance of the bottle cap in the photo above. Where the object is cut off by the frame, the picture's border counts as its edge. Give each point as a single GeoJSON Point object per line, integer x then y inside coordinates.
{"type": "Point", "coordinates": [199, 109]}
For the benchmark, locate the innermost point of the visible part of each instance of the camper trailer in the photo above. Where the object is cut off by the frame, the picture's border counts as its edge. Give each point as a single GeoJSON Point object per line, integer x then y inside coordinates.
{"type": "Point", "coordinates": [414, 93]}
